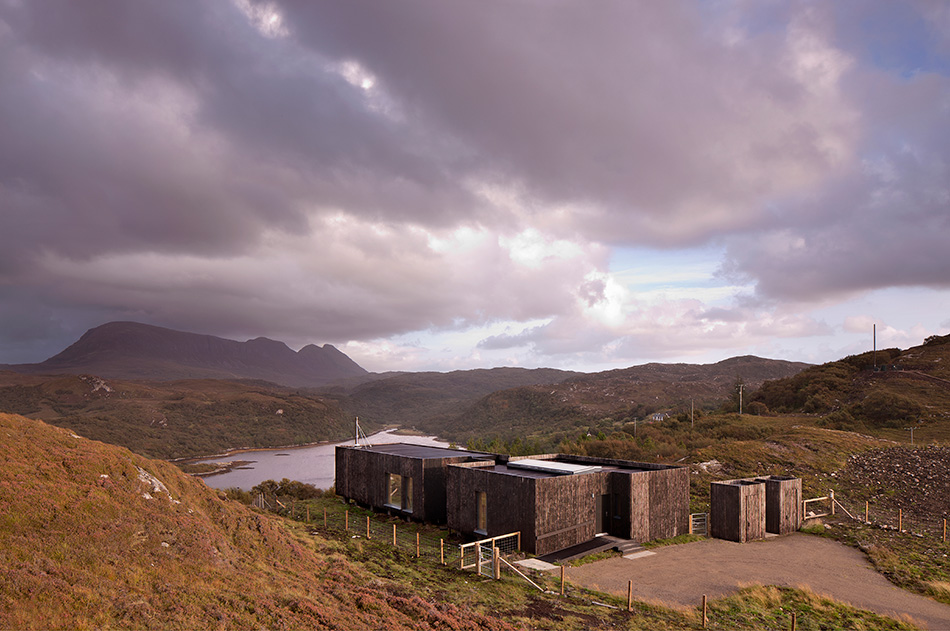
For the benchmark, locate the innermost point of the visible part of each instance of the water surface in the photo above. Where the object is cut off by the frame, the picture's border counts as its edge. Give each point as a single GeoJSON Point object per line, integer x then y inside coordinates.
{"type": "Point", "coordinates": [313, 465]}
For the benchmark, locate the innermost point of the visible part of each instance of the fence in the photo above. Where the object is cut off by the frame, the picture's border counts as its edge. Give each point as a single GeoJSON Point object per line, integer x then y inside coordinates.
{"type": "Point", "coordinates": [476, 553]}
{"type": "Point", "coordinates": [908, 521]}
{"type": "Point", "coordinates": [414, 539]}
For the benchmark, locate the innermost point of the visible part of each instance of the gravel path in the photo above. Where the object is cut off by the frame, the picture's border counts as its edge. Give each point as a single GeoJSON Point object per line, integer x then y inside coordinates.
{"type": "Point", "coordinates": [680, 575]}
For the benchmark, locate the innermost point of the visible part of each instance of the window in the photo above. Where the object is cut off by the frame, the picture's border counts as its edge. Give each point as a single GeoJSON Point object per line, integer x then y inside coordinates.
{"type": "Point", "coordinates": [400, 492]}
{"type": "Point", "coordinates": [394, 498]}
{"type": "Point", "coordinates": [481, 503]}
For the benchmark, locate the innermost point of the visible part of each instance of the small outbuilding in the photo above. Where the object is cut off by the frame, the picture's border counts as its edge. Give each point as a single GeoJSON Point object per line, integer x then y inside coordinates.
{"type": "Point", "coordinates": [746, 509]}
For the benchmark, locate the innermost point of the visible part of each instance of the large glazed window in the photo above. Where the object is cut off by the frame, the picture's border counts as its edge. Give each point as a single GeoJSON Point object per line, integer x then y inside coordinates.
{"type": "Point", "coordinates": [394, 498]}
{"type": "Point", "coordinates": [399, 493]}
{"type": "Point", "coordinates": [481, 502]}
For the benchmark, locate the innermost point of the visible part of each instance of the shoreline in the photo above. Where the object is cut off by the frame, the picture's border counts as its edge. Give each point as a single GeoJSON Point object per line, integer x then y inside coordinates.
{"type": "Point", "coordinates": [247, 450]}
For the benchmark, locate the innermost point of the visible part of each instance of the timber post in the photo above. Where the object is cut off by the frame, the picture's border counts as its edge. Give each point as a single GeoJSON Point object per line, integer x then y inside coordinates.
{"type": "Point", "coordinates": [629, 595]}
{"type": "Point", "coordinates": [705, 619]}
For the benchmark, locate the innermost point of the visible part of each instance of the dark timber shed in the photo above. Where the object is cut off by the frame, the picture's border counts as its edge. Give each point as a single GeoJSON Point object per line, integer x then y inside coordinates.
{"type": "Point", "coordinates": [557, 501]}
{"type": "Point", "coordinates": [737, 510]}
{"type": "Point", "coordinates": [408, 480]}
{"type": "Point", "coordinates": [747, 509]}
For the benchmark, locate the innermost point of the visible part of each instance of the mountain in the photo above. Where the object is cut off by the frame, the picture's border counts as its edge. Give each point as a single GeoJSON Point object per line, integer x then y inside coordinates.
{"type": "Point", "coordinates": [414, 399]}
{"type": "Point", "coordinates": [93, 536]}
{"type": "Point", "coordinates": [606, 400]}
{"type": "Point", "coordinates": [130, 350]}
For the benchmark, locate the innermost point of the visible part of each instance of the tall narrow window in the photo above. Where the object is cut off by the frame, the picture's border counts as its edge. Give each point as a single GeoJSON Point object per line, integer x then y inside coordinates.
{"type": "Point", "coordinates": [481, 501]}
{"type": "Point", "coordinates": [394, 498]}
{"type": "Point", "coordinates": [407, 495]}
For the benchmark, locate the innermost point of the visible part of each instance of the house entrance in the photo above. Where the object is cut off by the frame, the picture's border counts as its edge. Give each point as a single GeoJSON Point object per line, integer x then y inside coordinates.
{"type": "Point", "coordinates": [602, 512]}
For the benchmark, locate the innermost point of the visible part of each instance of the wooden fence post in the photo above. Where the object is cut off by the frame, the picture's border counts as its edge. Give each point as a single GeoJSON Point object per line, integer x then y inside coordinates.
{"type": "Point", "coordinates": [417, 544]}
{"type": "Point", "coordinates": [945, 531]}
{"type": "Point", "coordinates": [367, 526]}
{"type": "Point", "coordinates": [866, 520]}
{"type": "Point", "coordinates": [832, 495]}
{"type": "Point", "coordinates": [308, 513]}
{"type": "Point", "coordinates": [629, 595]}
{"type": "Point", "coordinates": [900, 520]}
{"type": "Point", "coordinates": [346, 519]}
{"type": "Point", "coordinates": [690, 517]}
{"type": "Point", "coordinates": [324, 516]}
{"type": "Point", "coordinates": [461, 558]}
{"type": "Point", "coordinates": [442, 551]}
{"type": "Point", "coordinates": [394, 535]}
{"type": "Point", "coordinates": [496, 563]}
{"type": "Point", "coordinates": [704, 611]}
{"type": "Point", "coordinates": [562, 580]}
{"type": "Point", "coordinates": [794, 620]}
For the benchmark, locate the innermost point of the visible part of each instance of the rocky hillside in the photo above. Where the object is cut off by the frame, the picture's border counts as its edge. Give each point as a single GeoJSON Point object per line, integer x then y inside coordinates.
{"type": "Point", "coordinates": [426, 398]}
{"type": "Point", "coordinates": [889, 389]}
{"type": "Point", "coordinates": [93, 536]}
{"type": "Point", "coordinates": [608, 400]}
{"type": "Point", "coordinates": [175, 419]}
{"type": "Point", "coordinates": [129, 350]}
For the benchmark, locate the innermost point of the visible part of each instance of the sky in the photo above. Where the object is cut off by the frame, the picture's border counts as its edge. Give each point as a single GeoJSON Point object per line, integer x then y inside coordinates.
{"type": "Point", "coordinates": [433, 185]}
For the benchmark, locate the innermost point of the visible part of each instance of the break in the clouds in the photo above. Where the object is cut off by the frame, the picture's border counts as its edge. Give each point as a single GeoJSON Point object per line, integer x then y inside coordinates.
{"type": "Point", "coordinates": [450, 185]}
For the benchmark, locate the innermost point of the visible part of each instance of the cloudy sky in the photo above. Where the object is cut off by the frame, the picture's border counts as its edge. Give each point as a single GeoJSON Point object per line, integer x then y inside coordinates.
{"type": "Point", "coordinates": [434, 185]}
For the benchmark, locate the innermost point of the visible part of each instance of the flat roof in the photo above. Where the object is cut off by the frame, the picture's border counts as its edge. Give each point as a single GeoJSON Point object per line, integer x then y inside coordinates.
{"type": "Point", "coordinates": [424, 452]}
{"type": "Point", "coordinates": [555, 467]}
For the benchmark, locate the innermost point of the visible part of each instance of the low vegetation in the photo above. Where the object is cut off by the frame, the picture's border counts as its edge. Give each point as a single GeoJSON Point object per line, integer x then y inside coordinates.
{"type": "Point", "coordinates": [175, 419]}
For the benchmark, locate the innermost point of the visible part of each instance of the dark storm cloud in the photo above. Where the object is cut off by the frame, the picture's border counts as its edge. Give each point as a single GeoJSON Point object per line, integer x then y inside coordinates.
{"type": "Point", "coordinates": [331, 171]}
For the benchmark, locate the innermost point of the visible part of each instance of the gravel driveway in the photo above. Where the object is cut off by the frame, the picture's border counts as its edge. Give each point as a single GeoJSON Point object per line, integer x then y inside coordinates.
{"type": "Point", "coordinates": [680, 575]}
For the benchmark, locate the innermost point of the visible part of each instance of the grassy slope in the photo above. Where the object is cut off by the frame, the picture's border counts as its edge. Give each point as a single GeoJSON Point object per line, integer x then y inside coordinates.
{"type": "Point", "coordinates": [82, 550]}
{"type": "Point", "coordinates": [175, 419]}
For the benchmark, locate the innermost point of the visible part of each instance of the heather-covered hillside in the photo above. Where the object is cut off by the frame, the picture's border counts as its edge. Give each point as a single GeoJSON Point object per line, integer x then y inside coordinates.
{"type": "Point", "coordinates": [93, 536]}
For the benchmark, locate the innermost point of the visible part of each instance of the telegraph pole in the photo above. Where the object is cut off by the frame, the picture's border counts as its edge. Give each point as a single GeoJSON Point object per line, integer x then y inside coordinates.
{"type": "Point", "coordinates": [740, 398]}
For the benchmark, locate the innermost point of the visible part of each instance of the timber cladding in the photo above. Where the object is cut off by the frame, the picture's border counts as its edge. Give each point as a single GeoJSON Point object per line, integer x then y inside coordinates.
{"type": "Point", "coordinates": [783, 504]}
{"type": "Point", "coordinates": [746, 509]}
{"type": "Point", "coordinates": [362, 475]}
{"type": "Point", "coordinates": [553, 512]}
{"type": "Point", "coordinates": [737, 510]}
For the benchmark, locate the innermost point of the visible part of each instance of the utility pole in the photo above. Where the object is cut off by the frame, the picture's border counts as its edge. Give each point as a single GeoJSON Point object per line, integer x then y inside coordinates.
{"type": "Point", "coordinates": [692, 424]}
{"type": "Point", "coordinates": [740, 398]}
{"type": "Point", "coordinates": [911, 434]}
{"type": "Point", "coordinates": [875, 347]}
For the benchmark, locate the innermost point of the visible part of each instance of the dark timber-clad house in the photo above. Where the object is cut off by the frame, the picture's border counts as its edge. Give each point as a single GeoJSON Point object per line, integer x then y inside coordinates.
{"type": "Point", "coordinates": [557, 501]}
{"type": "Point", "coordinates": [407, 480]}
{"type": "Point", "coordinates": [554, 501]}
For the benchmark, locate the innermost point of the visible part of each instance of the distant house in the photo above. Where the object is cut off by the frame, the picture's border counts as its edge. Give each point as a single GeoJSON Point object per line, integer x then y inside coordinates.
{"type": "Point", "coordinates": [659, 416]}
{"type": "Point", "coordinates": [554, 501]}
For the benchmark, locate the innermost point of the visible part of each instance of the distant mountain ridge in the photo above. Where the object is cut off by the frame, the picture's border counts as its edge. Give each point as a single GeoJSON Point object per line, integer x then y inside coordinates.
{"type": "Point", "coordinates": [131, 350]}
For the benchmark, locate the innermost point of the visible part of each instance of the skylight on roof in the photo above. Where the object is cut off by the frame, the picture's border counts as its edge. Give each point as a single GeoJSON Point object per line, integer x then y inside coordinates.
{"type": "Point", "coordinates": [552, 466]}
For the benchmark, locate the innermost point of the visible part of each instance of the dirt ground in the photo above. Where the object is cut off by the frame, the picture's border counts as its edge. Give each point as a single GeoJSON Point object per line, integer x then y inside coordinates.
{"type": "Point", "coordinates": [680, 575]}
